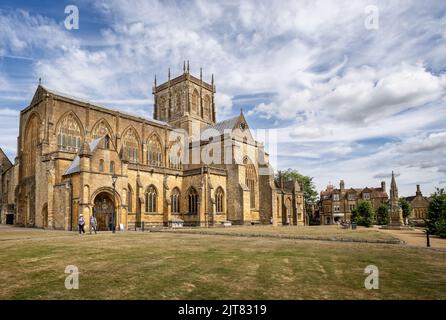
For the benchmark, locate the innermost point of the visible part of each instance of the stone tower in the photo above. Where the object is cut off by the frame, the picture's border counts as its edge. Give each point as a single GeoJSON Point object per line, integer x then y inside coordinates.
{"type": "Point", "coordinates": [185, 102]}
{"type": "Point", "coordinates": [396, 213]}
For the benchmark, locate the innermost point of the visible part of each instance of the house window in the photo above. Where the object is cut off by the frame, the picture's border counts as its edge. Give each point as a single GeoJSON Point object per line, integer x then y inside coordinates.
{"type": "Point", "coordinates": [112, 167]}
{"type": "Point", "coordinates": [175, 200]}
{"type": "Point", "coordinates": [351, 196]}
{"type": "Point", "coordinates": [366, 195]}
{"type": "Point", "coordinates": [150, 199]}
{"type": "Point", "coordinates": [193, 201]}
{"type": "Point", "coordinates": [336, 197]}
{"type": "Point", "coordinates": [219, 197]}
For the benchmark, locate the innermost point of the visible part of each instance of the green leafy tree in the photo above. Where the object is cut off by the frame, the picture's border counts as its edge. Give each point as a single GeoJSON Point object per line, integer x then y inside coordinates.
{"type": "Point", "coordinates": [436, 214]}
{"type": "Point", "coordinates": [405, 206]}
{"type": "Point", "coordinates": [382, 214]}
{"type": "Point", "coordinates": [363, 214]}
{"type": "Point", "coordinates": [310, 192]}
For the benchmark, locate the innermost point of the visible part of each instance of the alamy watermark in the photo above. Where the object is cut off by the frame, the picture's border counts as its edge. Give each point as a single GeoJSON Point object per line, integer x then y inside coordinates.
{"type": "Point", "coordinates": [72, 20]}
{"type": "Point", "coordinates": [371, 21]}
{"type": "Point", "coordinates": [372, 279]}
{"type": "Point", "coordinates": [72, 280]}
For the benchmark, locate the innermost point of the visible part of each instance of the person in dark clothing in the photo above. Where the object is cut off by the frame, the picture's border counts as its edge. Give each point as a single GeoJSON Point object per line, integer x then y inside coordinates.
{"type": "Point", "coordinates": [81, 224]}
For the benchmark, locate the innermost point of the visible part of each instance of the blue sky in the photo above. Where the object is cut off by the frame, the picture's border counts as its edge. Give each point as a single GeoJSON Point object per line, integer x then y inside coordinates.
{"type": "Point", "coordinates": [348, 102]}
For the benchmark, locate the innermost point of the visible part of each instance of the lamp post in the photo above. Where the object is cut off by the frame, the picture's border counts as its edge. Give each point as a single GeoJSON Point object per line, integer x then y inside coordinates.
{"type": "Point", "coordinates": [114, 178]}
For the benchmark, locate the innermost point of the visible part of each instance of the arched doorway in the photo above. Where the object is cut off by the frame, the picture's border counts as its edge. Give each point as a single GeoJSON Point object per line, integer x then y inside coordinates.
{"type": "Point", "coordinates": [103, 210]}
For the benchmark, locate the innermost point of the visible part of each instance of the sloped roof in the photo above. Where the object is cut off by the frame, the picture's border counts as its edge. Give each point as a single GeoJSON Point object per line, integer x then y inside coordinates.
{"type": "Point", "coordinates": [227, 124]}
{"type": "Point", "coordinates": [66, 96]}
{"type": "Point", "coordinates": [376, 192]}
{"type": "Point", "coordinates": [75, 165]}
{"type": "Point", "coordinates": [4, 160]}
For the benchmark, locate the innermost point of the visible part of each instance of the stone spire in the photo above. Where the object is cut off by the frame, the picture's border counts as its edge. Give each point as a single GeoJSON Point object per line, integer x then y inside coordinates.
{"type": "Point", "coordinates": [418, 193]}
{"type": "Point", "coordinates": [396, 214]}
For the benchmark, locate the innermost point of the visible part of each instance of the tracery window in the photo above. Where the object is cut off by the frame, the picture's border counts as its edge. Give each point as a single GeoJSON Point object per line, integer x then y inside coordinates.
{"type": "Point", "coordinates": [69, 134]}
{"type": "Point", "coordinates": [131, 145]}
{"type": "Point", "coordinates": [175, 200]}
{"type": "Point", "coordinates": [175, 156]}
{"type": "Point", "coordinates": [154, 152]}
{"type": "Point", "coordinates": [101, 130]}
{"type": "Point", "coordinates": [193, 201]}
{"type": "Point", "coordinates": [219, 198]}
{"type": "Point", "coordinates": [150, 199]}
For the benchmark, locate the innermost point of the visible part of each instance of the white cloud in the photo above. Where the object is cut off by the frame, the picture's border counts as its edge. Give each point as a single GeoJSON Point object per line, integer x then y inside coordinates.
{"type": "Point", "coordinates": [336, 82]}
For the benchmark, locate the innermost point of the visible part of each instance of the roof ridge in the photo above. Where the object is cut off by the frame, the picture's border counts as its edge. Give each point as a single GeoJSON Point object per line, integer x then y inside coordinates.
{"type": "Point", "coordinates": [82, 100]}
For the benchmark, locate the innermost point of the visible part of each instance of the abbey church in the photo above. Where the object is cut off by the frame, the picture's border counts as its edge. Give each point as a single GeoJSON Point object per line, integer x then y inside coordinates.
{"type": "Point", "coordinates": [180, 168]}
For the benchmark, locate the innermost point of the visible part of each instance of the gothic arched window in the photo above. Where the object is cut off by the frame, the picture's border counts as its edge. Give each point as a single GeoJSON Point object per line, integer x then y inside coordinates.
{"type": "Point", "coordinates": [178, 102]}
{"type": "Point", "coordinates": [112, 167]}
{"type": "Point", "coordinates": [101, 129]}
{"type": "Point", "coordinates": [154, 152]}
{"type": "Point", "coordinates": [101, 165]}
{"type": "Point", "coordinates": [131, 145]}
{"type": "Point", "coordinates": [195, 101]}
{"type": "Point", "coordinates": [175, 200]}
{"type": "Point", "coordinates": [206, 107]}
{"type": "Point", "coordinates": [175, 156]}
{"type": "Point", "coordinates": [219, 200]}
{"type": "Point", "coordinates": [69, 134]}
{"type": "Point", "coordinates": [150, 199]}
{"type": "Point", "coordinates": [193, 200]}
{"type": "Point", "coordinates": [250, 181]}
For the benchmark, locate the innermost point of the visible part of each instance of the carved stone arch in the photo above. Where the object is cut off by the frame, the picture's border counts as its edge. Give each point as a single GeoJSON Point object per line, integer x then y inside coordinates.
{"type": "Point", "coordinates": [99, 126]}
{"type": "Point", "coordinates": [29, 143]}
{"type": "Point", "coordinates": [109, 191]}
{"type": "Point", "coordinates": [31, 117]}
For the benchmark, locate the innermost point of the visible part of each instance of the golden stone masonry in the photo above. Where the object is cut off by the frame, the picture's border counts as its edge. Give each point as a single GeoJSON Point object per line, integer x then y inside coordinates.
{"type": "Point", "coordinates": [69, 149]}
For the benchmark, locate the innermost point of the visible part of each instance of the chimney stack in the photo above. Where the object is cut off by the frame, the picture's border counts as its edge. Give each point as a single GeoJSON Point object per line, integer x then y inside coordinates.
{"type": "Point", "coordinates": [342, 185]}
{"type": "Point", "coordinates": [383, 186]}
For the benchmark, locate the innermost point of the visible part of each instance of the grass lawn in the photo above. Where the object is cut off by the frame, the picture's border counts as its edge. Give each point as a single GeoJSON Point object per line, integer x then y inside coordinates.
{"type": "Point", "coordinates": [159, 265]}
{"type": "Point", "coordinates": [315, 232]}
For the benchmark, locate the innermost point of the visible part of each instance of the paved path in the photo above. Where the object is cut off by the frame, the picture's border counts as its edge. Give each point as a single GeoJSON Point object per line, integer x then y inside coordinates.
{"type": "Point", "coordinates": [416, 237]}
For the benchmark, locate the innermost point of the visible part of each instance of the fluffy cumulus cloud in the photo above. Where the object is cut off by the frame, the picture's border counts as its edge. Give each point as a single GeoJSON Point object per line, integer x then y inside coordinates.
{"type": "Point", "coordinates": [349, 102]}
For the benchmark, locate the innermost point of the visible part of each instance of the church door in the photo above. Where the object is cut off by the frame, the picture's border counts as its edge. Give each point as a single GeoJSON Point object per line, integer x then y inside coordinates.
{"type": "Point", "coordinates": [103, 209]}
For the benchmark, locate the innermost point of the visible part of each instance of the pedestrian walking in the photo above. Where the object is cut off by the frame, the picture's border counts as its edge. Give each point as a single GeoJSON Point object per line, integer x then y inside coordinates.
{"type": "Point", "coordinates": [93, 224]}
{"type": "Point", "coordinates": [81, 224]}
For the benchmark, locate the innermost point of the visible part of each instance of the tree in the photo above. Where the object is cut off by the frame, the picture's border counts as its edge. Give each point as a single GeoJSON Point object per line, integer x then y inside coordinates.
{"type": "Point", "coordinates": [310, 192]}
{"type": "Point", "coordinates": [363, 214]}
{"type": "Point", "coordinates": [436, 214]}
{"type": "Point", "coordinates": [405, 206]}
{"type": "Point", "coordinates": [382, 214]}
